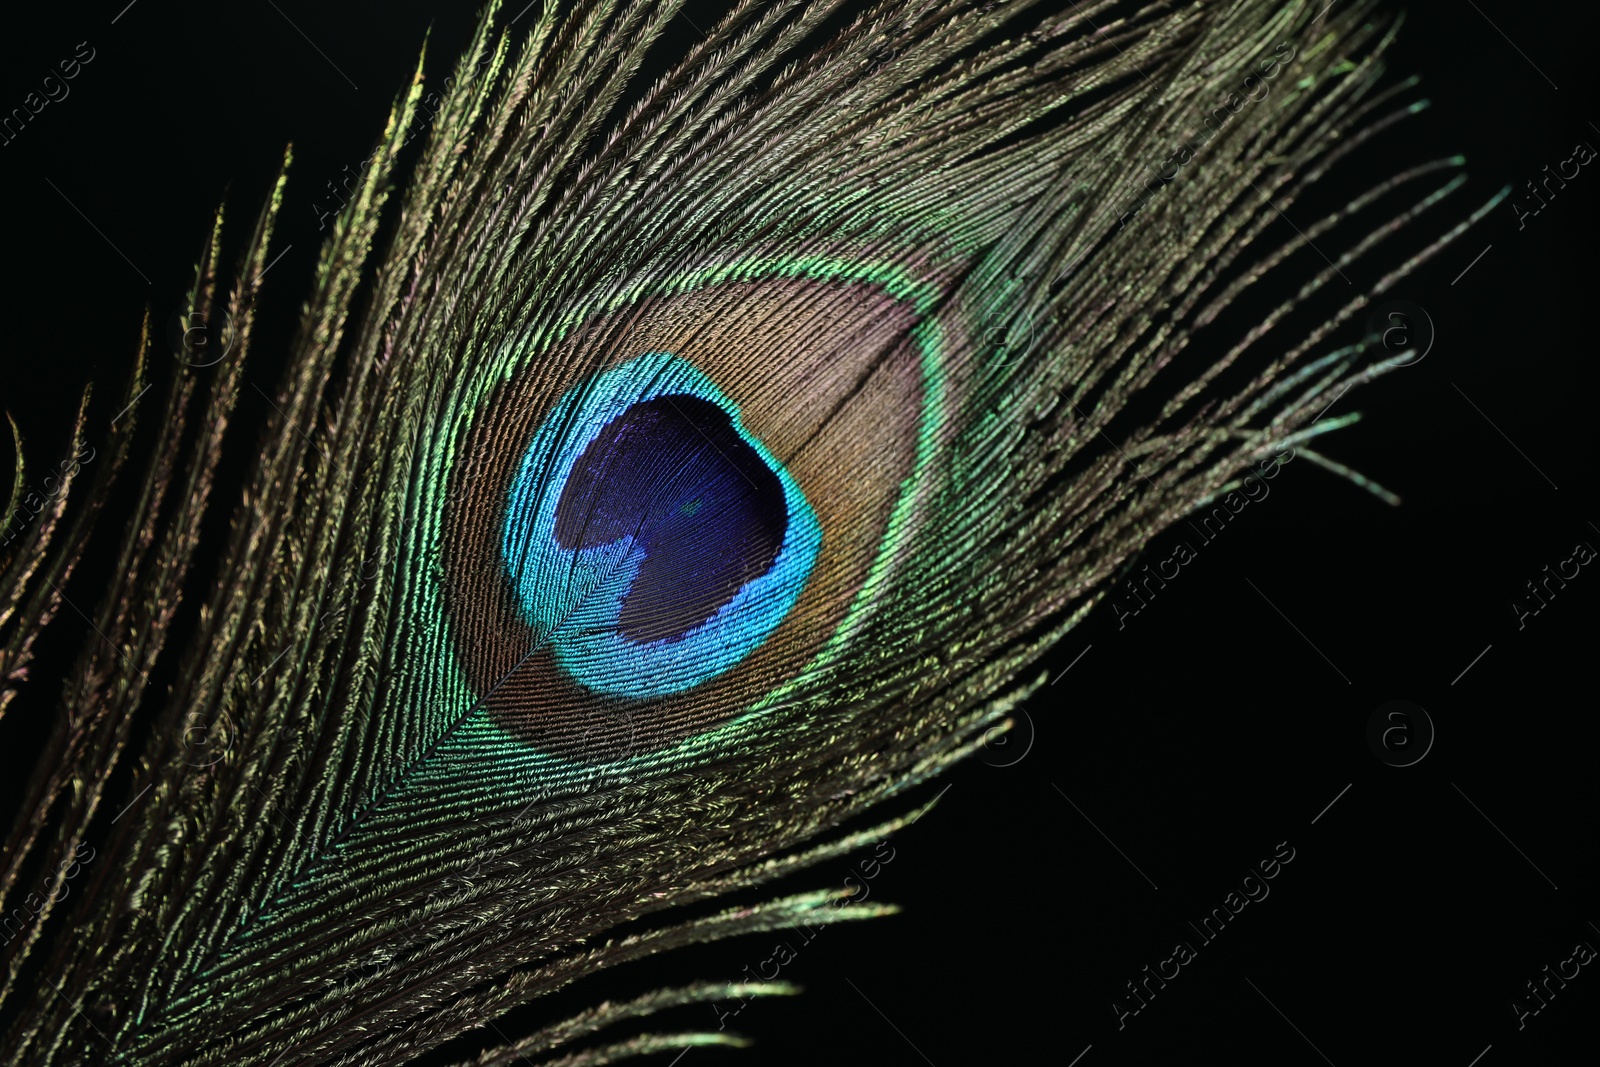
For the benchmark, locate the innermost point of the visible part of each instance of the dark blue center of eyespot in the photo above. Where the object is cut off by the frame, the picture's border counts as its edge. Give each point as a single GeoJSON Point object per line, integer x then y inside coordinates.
{"type": "Point", "coordinates": [650, 538]}
{"type": "Point", "coordinates": [675, 475]}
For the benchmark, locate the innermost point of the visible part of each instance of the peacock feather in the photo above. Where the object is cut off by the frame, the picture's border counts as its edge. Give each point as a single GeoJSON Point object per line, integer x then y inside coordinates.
{"type": "Point", "coordinates": [663, 478]}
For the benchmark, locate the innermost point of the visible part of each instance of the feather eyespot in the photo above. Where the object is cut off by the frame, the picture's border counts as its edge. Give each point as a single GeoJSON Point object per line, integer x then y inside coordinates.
{"type": "Point", "coordinates": [661, 520]}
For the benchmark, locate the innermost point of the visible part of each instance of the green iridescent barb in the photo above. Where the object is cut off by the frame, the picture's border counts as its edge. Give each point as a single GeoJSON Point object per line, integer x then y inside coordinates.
{"type": "Point", "coordinates": [703, 463]}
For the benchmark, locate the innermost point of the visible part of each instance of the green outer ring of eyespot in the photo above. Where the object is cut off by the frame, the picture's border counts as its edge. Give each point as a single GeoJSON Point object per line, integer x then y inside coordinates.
{"type": "Point", "coordinates": [928, 336]}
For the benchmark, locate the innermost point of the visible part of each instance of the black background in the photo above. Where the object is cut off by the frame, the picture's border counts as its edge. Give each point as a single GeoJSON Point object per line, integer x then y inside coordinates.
{"type": "Point", "coordinates": [1214, 725]}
